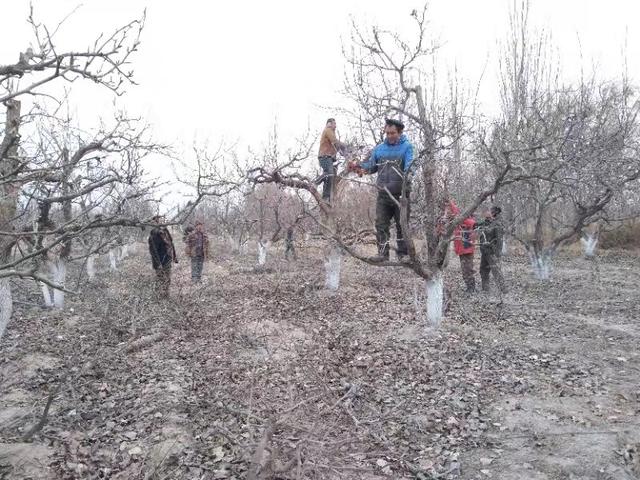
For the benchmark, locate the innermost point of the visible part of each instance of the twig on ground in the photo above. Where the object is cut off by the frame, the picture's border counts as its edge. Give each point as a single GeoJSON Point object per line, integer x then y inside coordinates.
{"type": "Point", "coordinates": [259, 461]}
{"type": "Point", "coordinates": [43, 418]}
{"type": "Point", "coordinates": [144, 342]}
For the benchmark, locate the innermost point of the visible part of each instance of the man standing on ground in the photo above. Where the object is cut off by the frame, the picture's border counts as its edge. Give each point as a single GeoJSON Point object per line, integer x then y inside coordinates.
{"type": "Point", "coordinates": [391, 160]}
{"type": "Point", "coordinates": [197, 250]}
{"type": "Point", "coordinates": [290, 248]}
{"type": "Point", "coordinates": [491, 235]}
{"type": "Point", "coordinates": [329, 147]}
{"type": "Point", "coordinates": [163, 253]}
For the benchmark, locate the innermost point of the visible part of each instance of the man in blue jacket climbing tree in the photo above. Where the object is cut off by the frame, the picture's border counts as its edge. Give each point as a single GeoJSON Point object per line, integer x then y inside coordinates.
{"type": "Point", "coordinates": [391, 160]}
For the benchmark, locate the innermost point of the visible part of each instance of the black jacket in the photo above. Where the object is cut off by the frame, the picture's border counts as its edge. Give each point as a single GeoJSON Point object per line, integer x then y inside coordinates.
{"type": "Point", "coordinates": [161, 248]}
{"type": "Point", "coordinates": [491, 233]}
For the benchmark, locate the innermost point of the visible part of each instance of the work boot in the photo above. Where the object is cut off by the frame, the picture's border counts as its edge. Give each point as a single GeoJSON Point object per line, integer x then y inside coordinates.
{"type": "Point", "coordinates": [404, 259]}
{"type": "Point", "coordinates": [379, 258]}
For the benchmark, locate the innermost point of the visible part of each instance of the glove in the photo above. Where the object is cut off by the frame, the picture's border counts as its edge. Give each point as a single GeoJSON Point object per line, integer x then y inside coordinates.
{"type": "Point", "coordinates": [354, 166]}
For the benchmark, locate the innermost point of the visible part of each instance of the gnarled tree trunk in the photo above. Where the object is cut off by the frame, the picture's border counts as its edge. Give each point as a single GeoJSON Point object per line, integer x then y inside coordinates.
{"type": "Point", "coordinates": [9, 164]}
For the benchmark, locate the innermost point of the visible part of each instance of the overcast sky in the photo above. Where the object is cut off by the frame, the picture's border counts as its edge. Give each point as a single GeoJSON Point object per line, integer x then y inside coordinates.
{"type": "Point", "coordinates": [230, 69]}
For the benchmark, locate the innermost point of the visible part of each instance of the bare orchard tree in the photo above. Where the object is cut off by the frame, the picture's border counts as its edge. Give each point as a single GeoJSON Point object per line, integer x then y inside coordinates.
{"type": "Point", "coordinates": [236, 224]}
{"type": "Point", "coordinates": [273, 211]}
{"type": "Point", "coordinates": [105, 62]}
{"type": "Point", "coordinates": [387, 75]}
{"type": "Point", "coordinates": [227, 219]}
{"type": "Point", "coordinates": [73, 178]}
{"type": "Point", "coordinates": [215, 179]}
{"type": "Point", "coordinates": [286, 169]}
{"type": "Point", "coordinates": [577, 142]}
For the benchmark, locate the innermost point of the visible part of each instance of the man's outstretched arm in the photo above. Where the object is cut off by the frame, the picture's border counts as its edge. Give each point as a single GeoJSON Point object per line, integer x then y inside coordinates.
{"type": "Point", "coordinates": [370, 165]}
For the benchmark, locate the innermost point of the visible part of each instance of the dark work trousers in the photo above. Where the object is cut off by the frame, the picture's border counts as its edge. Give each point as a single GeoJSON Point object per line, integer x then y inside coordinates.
{"type": "Point", "coordinates": [197, 263]}
{"type": "Point", "coordinates": [466, 266]}
{"type": "Point", "coordinates": [490, 264]}
{"type": "Point", "coordinates": [163, 280]}
{"type": "Point", "coordinates": [328, 176]}
{"type": "Point", "coordinates": [290, 249]}
{"type": "Point", "coordinates": [386, 210]}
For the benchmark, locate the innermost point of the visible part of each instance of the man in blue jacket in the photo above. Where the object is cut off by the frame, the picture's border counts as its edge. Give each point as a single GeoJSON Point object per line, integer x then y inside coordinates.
{"type": "Point", "coordinates": [391, 160]}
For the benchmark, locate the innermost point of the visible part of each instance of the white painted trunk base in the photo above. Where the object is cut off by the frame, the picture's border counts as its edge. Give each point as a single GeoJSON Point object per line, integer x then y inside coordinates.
{"type": "Point", "coordinates": [429, 300]}
{"type": "Point", "coordinates": [59, 274]}
{"type": "Point", "coordinates": [332, 267]}
{"type": "Point", "coordinates": [46, 295]}
{"type": "Point", "coordinates": [6, 304]}
{"type": "Point", "coordinates": [91, 267]}
{"type": "Point", "coordinates": [435, 300]}
{"type": "Point", "coordinates": [112, 260]}
{"type": "Point", "coordinates": [263, 249]}
{"type": "Point", "coordinates": [589, 244]}
{"type": "Point", "coordinates": [541, 266]}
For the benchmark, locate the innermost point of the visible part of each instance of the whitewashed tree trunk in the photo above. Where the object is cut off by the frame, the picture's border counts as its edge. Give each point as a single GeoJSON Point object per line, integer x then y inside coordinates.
{"type": "Point", "coordinates": [6, 304]}
{"type": "Point", "coordinates": [429, 300]}
{"type": "Point", "coordinates": [8, 202]}
{"type": "Point", "coordinates": [541, 265]}
{"type": "Point", "coordinates": [59, 274]}
{"type": "Point", "coordinates": [233, 244]}
{"type": "Point", "coordinates": [240, 247]}
{"type": "Point", "coordinates": [46, 295]}
{"type": "Point", "coordinates": [112, 260]}
{"type": "Point", "coordinates": [263, 248]}
{"type": "Point", "coordinates": [589, 244]}
{"type": "Point", "coordinates": [237, 245]}
{"type": "Point", "coordinates": [332, 267]}
{"type": "Point", "coordinates": [435, 299]}
{"type": "Point", "coordinates": [91, 266]}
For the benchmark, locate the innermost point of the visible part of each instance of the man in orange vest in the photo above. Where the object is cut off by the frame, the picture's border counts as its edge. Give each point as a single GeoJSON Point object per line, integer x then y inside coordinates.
{"type": "Point", "coordinates": [464, 239]}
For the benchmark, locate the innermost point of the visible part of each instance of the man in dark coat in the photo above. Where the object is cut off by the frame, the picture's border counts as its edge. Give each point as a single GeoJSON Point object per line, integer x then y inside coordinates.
{"type": "Point", "coordinates": [491, 233]}
{"type": "Point", "coordinates": [163, 254]}
{"type": "Point", "coordinates": [290, 248]}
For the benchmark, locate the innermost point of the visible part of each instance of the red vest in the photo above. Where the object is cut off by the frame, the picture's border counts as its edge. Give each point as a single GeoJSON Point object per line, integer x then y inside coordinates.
{"type": "Point", "coordinates": [464, 236]}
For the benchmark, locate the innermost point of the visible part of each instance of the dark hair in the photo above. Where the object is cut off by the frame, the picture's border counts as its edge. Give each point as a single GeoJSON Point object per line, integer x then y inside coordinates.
{"type": "Point", "coordinates": [198, 222]}
{"type": "Point", "coordinates": [392, 122]}
{"type": "Point", "coordinates": [496, 210]}
{"type": "Point", "coordinates": [156, 218]}
{"type": "Point", "coordinates": [329, 120]}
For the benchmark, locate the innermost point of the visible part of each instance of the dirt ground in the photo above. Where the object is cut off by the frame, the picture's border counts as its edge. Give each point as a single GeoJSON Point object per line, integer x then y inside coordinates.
{"type": "Point", "coordinates": [265, 375]}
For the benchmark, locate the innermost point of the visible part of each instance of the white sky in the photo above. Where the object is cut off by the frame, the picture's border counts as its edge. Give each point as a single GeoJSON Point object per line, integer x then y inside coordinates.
{"type": "Point", "coordinates": [229, 69]}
